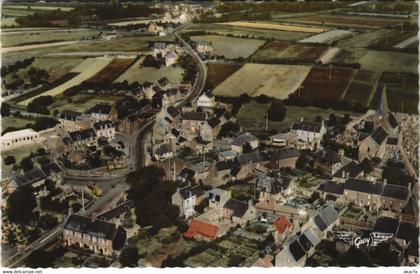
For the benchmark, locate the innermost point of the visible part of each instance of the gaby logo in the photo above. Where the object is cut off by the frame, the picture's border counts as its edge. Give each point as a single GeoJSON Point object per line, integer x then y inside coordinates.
{"type": "Point", "coordinates": [374, 239]}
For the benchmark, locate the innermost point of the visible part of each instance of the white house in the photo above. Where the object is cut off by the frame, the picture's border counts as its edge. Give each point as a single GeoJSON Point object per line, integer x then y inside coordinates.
{"type": "Point", "coordinates": [206, 100]}
{"type": "Point", "coordinates": [187, 198]}
{"type": "Point", "coordinates": [19, 138]}
{"type": "Point", "coordinates": [104, 129]}
{"type": "Point", "coordinates": [308, 132]}
{"type": "Point", "coordinates": [171, 58]}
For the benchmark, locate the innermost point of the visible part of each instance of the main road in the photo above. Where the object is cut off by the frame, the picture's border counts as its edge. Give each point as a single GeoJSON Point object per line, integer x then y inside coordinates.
{"type": "Point", "coordinates": [139, 160]}
{"type": "Point", "coordinates": [195, 92]}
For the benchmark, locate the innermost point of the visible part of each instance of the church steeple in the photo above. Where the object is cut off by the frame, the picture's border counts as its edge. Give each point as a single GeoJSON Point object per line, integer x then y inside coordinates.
{"type": "Point", "coordinates": [382, 107]}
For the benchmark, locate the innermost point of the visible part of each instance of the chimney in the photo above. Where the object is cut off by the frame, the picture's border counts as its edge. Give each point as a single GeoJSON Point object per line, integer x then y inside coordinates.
{"type": "Point", "coordinates": [301, 119]}
{"type": "Point", "coordinates": [93, 217]}
{"type": "Point", "coordinates": [343, 175]}
{"type": "Point", "coordinates": [385, 181]}
{"type": "Point", "coordinates": [347, 175]}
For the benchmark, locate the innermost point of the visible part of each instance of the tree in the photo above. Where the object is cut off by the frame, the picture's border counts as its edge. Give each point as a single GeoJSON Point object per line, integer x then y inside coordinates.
{"type": "Point", "coordinates": [9, 160]}
{"type": "Point", "coordinates": [229, 129]}
{"type": "Point", "coordinates": [129, 257]}
{"type": "Point", "coordinates": [276, 112]}
{"type": "Point", "coordinates": [5, 109]}
{"type": "Point", "coordinates": [20, 205]}
{"type": "Point", "coordinates": [40, 259]}
{"type": "Point", "coordinates": [246, 148]}
{"type": "Point", "coordinates": [26, 164]}
{"type": "Point", "coordinates": [48, 221]}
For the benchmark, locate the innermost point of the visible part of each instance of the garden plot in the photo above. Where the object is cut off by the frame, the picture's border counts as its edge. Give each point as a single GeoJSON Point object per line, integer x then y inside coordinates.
{"type": "Point", "coordinates": [276, 81]}
{"type": "Point", "coordinates": [231, 47]}
{"type": "Point", "coordinates": [86, 70]}
{"type": "Point", "coordinates": [327, 37]}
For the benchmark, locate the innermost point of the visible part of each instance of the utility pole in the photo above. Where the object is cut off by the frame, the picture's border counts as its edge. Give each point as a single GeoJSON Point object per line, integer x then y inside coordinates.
{"type": "Point", "coordinates": [174, 171]}
{"type": "Point", "coordinates": [266, 122]}
{"type": "Point", "coordinates": [83, 200]}
{"type": "Point", "coordinates": [329, 74]}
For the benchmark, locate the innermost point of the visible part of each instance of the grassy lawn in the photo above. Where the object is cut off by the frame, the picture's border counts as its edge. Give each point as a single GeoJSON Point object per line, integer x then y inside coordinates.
{"type": "Point", "coordinates": [231, 47]}
{"type": "Point", "coordinates": [19, 154]}
{"type": "Point", "coordinates": [82, 102]}
{"type": "Point", "coordinates": [252, 116]}
{"type": "Point", "coordinates": [11, 121]}
{"type": "Point", "coordinates": [12, 40]}
{"type": "Point", "coordinates": [140, 74]}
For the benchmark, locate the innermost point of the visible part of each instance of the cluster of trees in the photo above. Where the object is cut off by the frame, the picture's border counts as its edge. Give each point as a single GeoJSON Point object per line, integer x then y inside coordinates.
{"type": "Point", "coordinates": [277, 111]}
{"type": "Point", "coordinates": [153, 62]}
{"type": "Point", "coordinates": [128, 105]}
{"type": "Point", "coordinates": [47, 18]}
{"type": "Point", "coordinates": [16, 66]}
{"type": "Point", "coordinates": [38, 76]}
{"type": "Point", "coordinates": [229, 129]}
{"type": "Point", "coordinates": [152, 197]}
{"type": "Point", "coordinates": [41, 258]}
{"type": "Point", "coordinates": [100, 86]}
{"type": "Point", "coordinates": [20, 206]}
{"type": "Point", "coordinates": [40, 105]}
{"type": "Point", "coordinates": [395, 173]}
{"type": "Point", "coordinates": [190, 68]}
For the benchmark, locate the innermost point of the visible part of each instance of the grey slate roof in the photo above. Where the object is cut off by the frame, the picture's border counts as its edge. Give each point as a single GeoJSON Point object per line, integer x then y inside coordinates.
{"type": "Point", "coordinates": [327, 215]}
{"type": "Point", "coordinates": [352, 168]}
{"type": "Point", "coordinates": [193, 116]}
{"type": "Point", "coordinates": [82, 134]}
{"type": "Point", "coordinates": [386, 225]}
{"type": "Point", "coordinates": [392, 141]}
{"type": "Point", "coordinates": [307, 126]}
{"type": "Point", "coordinates": [100, 108]}
{"type": "Point", "coordinates": [363, 186]}
{"type": "Point", "coordinates": [243, 139]}
{"type": "Point", "coordinates": [224, 165]}
{"type": "Point", "coordinates": [172, 111]}
{"type": "Point", "coordinates": [103, 125]}
{"type": "Point", "coordinates": [332, 187]}
{"type": "Point", "coordinates": [67, 114]}
{"type": "Point", "coordinates": [239, 208]}
{"type": "Point", "coordinates": [85, 225]}
{"type": "Point", "coordinates": [379, 135]}
{"type": "Point", "coordinates": [283, 153]}
{"type": "Point", "coordinates": [50, 168]}
{"type": "Point", "coordinates": [117, 211]}
{"type": "Point", "coordinates": [253, 157]}
{"type": "Point", "coordinates": [395, 191]}
{"type": "Point", "coordinates": [190, 191]}
{"type": "Point", "coordinates": [296, 250]}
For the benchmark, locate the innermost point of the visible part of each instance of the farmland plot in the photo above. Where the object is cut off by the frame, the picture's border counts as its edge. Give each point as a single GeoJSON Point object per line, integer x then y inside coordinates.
{"type": "Point", "coordinates": [325, 84]}
{"type": "Point", "coordinates": [276, 81]}
{"type": "Point", "coordinates": [327, 37]}
{"type": "Point", "coordinates": [218, 72]}
{"type": "Point", "coordinates": [112, 71]}
{"type": "Point", "coordinates": [85, 71]}
{"type": "Point", "coordinates": [231, 47]}
{"type": "Point", "coordinates": [247, 32]}
{"type": "Point", "coordinates": [278, 50]}
{"type": "Point", "coordinates": [275, 26]}
{"type": "Point", "coordinates": [360, 89]}
{"type": "Point", "coordinates": [138, 73]}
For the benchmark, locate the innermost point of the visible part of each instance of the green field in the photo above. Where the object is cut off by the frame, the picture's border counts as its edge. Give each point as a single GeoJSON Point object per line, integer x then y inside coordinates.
{"type": "Point", "coordinates": [231, 47]}
{"type": "Point", "coordinates": [12, 40]}
{"type": "Point", "coordinates": [141, 74]}
{"type": "Point", "coordinates": [81, 102]}
{"type": "Point", "coordinates": [16, 122]}
{"type": "Point", "coordinates": [251, 116]}
{"type": "Point", "coordinates": [248, 32]}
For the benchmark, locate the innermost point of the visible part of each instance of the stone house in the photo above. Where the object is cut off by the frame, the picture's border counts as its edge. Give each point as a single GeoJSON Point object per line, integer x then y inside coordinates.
{"type": "Point", "coordinates": [95, 235]}
{"type": "Point", "coordinates": [187, 198]}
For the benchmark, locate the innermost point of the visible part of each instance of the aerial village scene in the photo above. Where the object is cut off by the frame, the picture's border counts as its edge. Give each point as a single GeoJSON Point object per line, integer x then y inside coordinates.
{"type": "Point", "coordinates": [209, 133]}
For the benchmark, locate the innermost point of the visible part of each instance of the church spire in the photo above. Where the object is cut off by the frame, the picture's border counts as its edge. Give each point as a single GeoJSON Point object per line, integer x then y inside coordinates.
{"type": "Point", "coordinates": [383, 105]}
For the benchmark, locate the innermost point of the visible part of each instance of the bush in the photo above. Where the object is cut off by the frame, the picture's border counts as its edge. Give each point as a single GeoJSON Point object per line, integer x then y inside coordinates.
{"type": "Point", "coordinates": [9, 160]}
{"type": "Point", "coordinates": [276, 112]}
